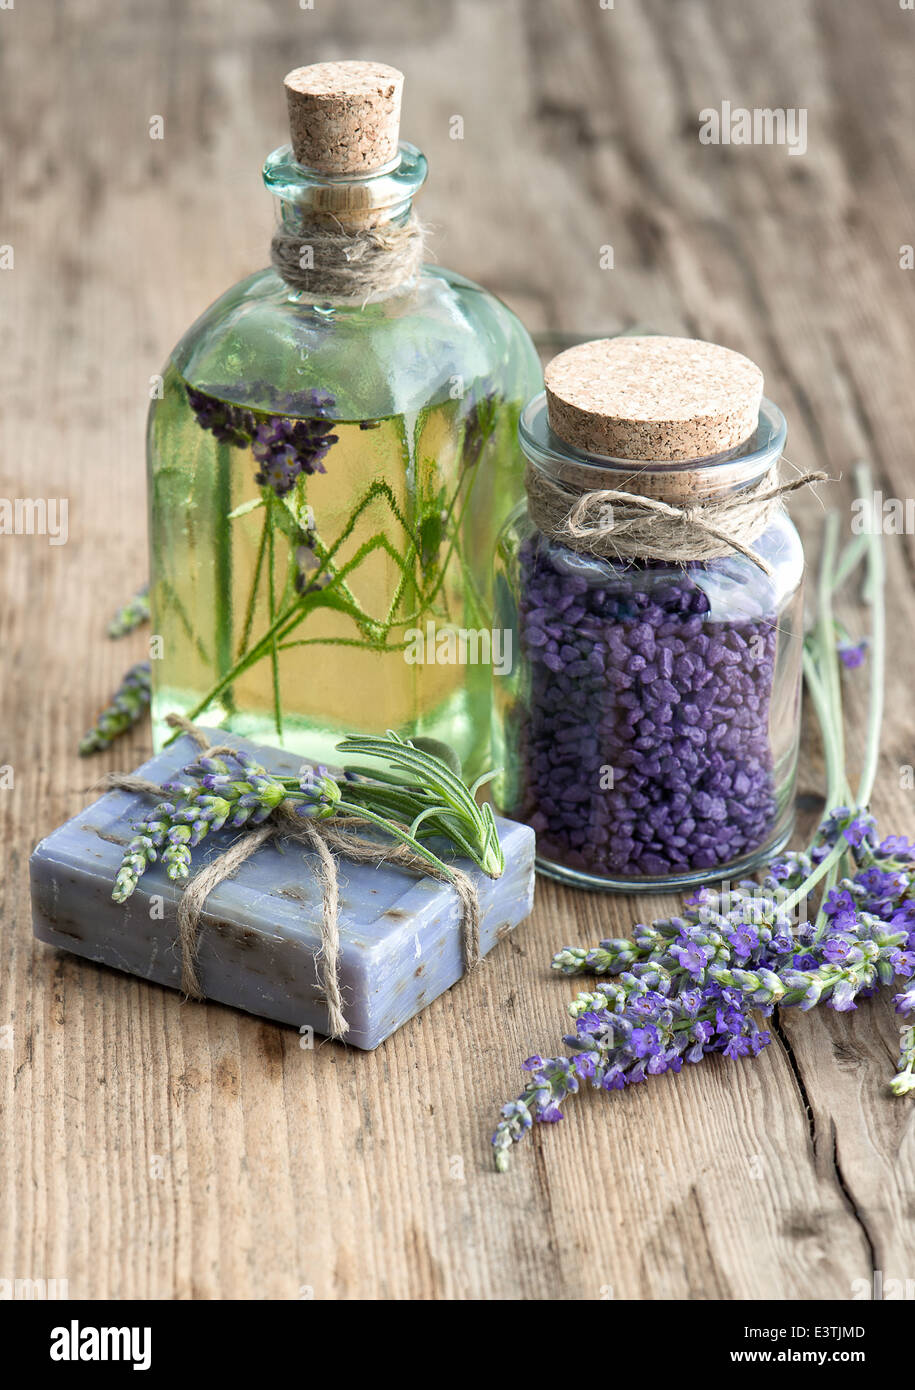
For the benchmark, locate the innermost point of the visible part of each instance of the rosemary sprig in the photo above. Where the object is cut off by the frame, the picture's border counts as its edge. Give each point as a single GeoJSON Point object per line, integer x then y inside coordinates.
{"type": "Point", "coordinates": [440, 802]}
{"type": "Point", "coordinates": [421, 800]}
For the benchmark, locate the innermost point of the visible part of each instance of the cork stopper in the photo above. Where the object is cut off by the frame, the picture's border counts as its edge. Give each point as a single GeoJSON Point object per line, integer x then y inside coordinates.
{"type": "Point", "coordinates": [344, 118]}
{"type": "Point", "coordinates": [661, 399]}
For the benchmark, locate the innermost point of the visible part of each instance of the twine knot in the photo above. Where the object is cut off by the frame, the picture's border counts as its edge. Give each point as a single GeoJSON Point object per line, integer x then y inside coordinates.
{"type": "Point", "coordinates": [620, 525]}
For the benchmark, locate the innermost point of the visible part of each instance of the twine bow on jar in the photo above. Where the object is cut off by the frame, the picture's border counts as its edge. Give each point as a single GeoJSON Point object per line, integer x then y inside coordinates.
{"type": "Point", "coordinates": [621, 525]}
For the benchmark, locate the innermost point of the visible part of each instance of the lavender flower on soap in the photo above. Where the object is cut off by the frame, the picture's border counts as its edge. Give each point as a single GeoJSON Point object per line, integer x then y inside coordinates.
{"type": "Point", "coordinates": [418, 798]}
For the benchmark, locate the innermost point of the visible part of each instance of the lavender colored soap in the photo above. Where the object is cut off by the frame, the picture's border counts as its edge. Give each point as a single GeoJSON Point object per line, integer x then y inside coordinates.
{"type": "Point", "coordinates": [399, 934]}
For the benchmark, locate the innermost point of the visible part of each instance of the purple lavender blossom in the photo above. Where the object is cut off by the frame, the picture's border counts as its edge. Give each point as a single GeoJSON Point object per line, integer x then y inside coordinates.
{"type": "Point", "coordinates": [852, 654]}
{"type": "Point", "coordinates": [290, 440]}
{"type": "Point", "coordinates": [128, 705]}
{"type": "Point", "coordinates": [693, 985]}
{"type": "Point", "coordinates": [612, 1047]}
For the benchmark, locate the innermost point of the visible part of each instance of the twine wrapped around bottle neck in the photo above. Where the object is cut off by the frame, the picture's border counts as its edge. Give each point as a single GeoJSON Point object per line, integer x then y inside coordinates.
{"type": "Point", "coordinates": [336, 264]}
{"type": "Point", "coordinates": [621, 525]}
{"type": "Point", "coordinates": [325, 837]}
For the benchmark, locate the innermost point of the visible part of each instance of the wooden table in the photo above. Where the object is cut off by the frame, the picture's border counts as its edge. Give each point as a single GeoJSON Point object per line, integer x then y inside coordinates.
{"type": "Point", "coordinates": [159, 1149]}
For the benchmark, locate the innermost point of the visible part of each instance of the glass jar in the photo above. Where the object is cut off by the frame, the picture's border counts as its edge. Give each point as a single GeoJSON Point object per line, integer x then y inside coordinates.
{"type": "Point", "coordinates": [648, 731]}
{"type": "Point", "coordinates": [326, 480]}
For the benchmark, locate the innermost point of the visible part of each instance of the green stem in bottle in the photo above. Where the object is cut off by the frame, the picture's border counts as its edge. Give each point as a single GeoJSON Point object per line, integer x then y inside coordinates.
{"type": "Point", "coordinates": [255, 584]}
{"type": "Point", "coordinates": [222, 570]}
{"type": "Point", "coordinates": [284, 621]}
{"type": "Point", "coordinates": [271, 600]}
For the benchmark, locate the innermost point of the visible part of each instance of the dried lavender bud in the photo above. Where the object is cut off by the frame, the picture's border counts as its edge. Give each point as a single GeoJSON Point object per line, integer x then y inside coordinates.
{"type": "Point", "coordinates": [481, 418]}
{"type": "Point", "coordinates": [209, 794]}
{"type": "Point", "coordinates": [636, 676]}
{"type": "Point", "coordinates": [609, 958]}
{"type": "Point", "coordinates": [622, 1036]}
{"type": "Point", "coordinates": [131, 615]}
{"type": "Point", "coordinates": [143, 850]}
{"type": "Point", "coordinates": [307, 563]}
{"type": "Point", "coordinates": [128, 705]}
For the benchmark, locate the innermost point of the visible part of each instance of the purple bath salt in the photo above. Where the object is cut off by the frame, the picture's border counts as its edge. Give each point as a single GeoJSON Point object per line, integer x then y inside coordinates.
{"type": "Point", "coordinates": [644, 745]}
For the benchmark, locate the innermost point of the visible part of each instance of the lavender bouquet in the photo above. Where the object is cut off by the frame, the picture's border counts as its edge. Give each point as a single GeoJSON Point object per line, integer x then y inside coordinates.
{"type": "Point", "coordinates": [705, 981]}
{"type": "Point", "coordinates": [418, 796]}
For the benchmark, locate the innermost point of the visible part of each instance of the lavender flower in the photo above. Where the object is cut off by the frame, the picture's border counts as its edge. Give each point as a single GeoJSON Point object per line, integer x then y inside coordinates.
{"type": "Point", "coordinates": [128, 705]}
{"type": "Point", "coordinates": [625, 1033]}
{"type": "Point", "coordinates": [423, 800]}
{"type": "Point", "coordinates": [308, 562]}
{"type": "Point", "coordinates": [209, 794]}
{"type": "Point", "coordinates": [290, 440]}
{"type": "Point", "coordinates": [286, 448]}
{"type": "Point", "coordinates": [143, 850]}
{"type": "Point", "coordinates": [855, 824]}
{"type": "Point", "coordinates": [852, 654]}
{"type": "Point", "coordinates": [131, 614]}
{"type": "Point", "coordinates": [690, 985]}
{"type": "Point", "coordinates": [480, 421]}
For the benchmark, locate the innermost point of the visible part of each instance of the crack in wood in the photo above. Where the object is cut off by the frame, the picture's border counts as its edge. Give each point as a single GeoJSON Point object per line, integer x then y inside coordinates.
{"type": "Point", "coordinates": [841, 1181]}
{"type": "Point", "coordinates": [776, 1026]}
{"type": "Point", "coordinates": [851, 1203]}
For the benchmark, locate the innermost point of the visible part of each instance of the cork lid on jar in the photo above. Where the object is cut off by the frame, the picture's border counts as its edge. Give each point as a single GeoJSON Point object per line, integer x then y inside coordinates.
{"type": "Point", "coordinates": [344, 118]}
{"type": "Point", "coordinates": [653, 398]}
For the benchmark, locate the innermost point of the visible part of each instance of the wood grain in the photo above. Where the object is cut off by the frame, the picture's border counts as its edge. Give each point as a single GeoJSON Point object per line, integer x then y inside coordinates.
{"type": "Point", "coordinates": [156, 1149]}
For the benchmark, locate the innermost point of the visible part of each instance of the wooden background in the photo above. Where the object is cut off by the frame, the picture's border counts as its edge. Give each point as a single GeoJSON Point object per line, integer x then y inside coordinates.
{"type": "Point", "coordinates": [355, 1176]}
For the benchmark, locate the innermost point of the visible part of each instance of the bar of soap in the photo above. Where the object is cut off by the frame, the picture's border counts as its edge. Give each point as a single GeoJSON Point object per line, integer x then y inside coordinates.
{"type": "Point", "coordinates": [400, 934]}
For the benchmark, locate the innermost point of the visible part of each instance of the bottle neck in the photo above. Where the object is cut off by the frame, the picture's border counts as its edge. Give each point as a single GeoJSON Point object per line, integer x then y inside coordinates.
{"type": "Point", "coordinates": [346, 239]}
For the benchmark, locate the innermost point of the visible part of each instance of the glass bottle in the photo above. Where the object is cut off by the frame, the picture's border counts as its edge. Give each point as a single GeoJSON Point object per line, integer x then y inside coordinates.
{"type": "Point", "coordinates": [649, 728]}
{"type": "Point", "coordinates": [332, 456]}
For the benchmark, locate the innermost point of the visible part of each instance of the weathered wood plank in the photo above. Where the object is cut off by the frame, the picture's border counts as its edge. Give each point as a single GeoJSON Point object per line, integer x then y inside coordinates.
{"type": "Point", "coordinates": [154, 1149]}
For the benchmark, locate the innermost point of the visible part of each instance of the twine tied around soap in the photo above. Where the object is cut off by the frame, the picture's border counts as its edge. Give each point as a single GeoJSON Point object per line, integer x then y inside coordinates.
{"type": "Point", "coordinates": [327, 838]}
{"type": "Point", "coordinates": [620, 525]}
{"type": "Point", "coordinates": [348, 266]}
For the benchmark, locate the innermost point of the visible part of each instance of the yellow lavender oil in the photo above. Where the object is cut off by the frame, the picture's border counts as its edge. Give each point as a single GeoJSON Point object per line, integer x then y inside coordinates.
{"type": "Point", "coordinates": [328, 475]}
